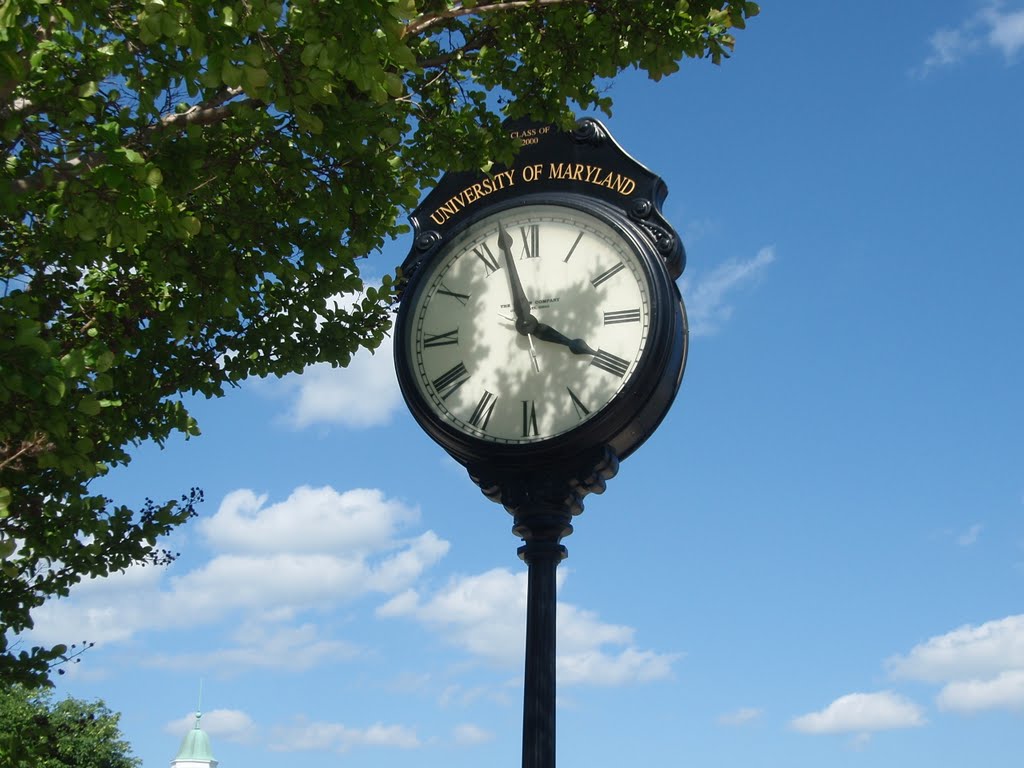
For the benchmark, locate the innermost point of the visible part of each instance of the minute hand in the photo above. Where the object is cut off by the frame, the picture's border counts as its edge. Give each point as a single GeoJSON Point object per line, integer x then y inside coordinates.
{"type": "Point", "coordinates": [576, 346]}
{"type": "Point", "coordinates": [520, 304]}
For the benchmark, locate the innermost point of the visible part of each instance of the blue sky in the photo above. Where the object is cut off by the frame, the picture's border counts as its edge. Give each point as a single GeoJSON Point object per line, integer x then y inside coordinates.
{"type": "Point", "coordinates": [817, 560]}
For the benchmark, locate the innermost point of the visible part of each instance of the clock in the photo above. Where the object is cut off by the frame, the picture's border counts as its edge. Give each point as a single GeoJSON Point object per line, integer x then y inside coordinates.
{"type": "Point", "coordinates": [540, 328]}
{"type": "Point", "coordinates": [540, 339]}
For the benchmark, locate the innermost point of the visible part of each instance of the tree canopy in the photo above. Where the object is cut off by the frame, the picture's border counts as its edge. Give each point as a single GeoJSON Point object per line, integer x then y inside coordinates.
{"type": "Point", "coordinates": [185, 190]}
{"type": "Point", "coordinates": [37, 733]}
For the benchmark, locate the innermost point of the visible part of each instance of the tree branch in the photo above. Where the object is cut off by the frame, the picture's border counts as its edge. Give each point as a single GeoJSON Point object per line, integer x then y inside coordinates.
{"type": "Point", "coordinates": [212, 111]}
{"type": "Point", "coordinates": [425, 22]}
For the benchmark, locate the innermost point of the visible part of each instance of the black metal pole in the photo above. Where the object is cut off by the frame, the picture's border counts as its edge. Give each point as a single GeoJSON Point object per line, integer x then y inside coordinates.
{"type": "Point", "coordinates": [542, 558]}
{"type": "Point", "coordinates": [543, 505]}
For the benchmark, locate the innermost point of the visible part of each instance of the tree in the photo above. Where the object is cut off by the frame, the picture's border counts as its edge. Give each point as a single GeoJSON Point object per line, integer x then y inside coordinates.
{"type": "Point", "coordinates": [186, 187]}
{"type": "Point", "coordinates": [36, 733]}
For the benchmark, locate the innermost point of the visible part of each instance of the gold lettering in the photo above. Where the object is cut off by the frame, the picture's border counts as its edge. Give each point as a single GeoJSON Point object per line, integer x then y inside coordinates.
{"type": "Point", "coordinates": [474, 192]}
{"type": "Point", "coordinates": [533, 172]}
{"type": "Point", "coordinates": [580, 172]}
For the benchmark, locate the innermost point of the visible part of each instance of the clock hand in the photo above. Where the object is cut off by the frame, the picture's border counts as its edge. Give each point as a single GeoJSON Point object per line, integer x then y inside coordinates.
{"type": "Point", "coordinates": [520, 304]}
{"type": "Point", "coordinates": [533, 353]}
{"type": "Point", "coordinates": [545, 332]}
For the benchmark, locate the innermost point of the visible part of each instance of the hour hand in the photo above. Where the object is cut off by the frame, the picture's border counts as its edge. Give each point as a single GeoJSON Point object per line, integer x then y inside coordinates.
{"type": "Point", "coordinates": [545, 332]}
{"type": "Point", "coordinates": [520, 304]}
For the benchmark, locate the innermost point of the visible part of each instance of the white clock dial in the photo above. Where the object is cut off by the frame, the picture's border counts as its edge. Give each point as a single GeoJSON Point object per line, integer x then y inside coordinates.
{"type": "Point", "coordinates": [529, 323]}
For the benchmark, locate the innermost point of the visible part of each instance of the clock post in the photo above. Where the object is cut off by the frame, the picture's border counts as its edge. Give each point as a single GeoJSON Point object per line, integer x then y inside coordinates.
{"type": "Point", "coordinates": [543, 504]}
{"type": "Point", "coordinates": [540, 340]}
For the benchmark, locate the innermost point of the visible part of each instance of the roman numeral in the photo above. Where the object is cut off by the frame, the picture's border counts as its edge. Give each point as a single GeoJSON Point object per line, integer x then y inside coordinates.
{"type": "Point", "coordinates": [441, 339]}
{"type": "Point", "coordinates": [529, 419]}
{"type": "Point", "coordinates": [483, 411]}
{"type": "Point", "coordinates": [483, 252]}
{"type": "Point", "coordinates": [610, 363]}
{"type": "Point", "coordinates": [462, 298]}
{"type": "Point", "coordinates": [622, 316]}
{"type": "Point", "coordinates": [581, 409]}
{"type": "Point", "coordinates": [574, 244]}
{"type": "Point", "coordinates": [531, 241]}
{"type": "Point", "coordinates": [451, 380]}
{"type": "Point", "coordinates": [607, 274]}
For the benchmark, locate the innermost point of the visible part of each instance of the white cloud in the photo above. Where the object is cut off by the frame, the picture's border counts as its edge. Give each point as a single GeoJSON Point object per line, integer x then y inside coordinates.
{"type": "Point", "coordinates": [309, 520]}
{"type": "Point", "coordinates": [469, 734]}
{"type": "Point", "coordinates": [741, 716]}
{"type": "Point", "coordinates": [271, 562]}
{"type": "Point", "coordinates": [707, 297]}
{"type": "Point", "coordinates": [966, 653]}
{"type": "Point", "coordinates": [862, 713]}
{"type": "Point", "coordinates": [981, 667]}
{"type": "Point", "coordinates": [1005, 691]}
{"type": "Point", "coordinates": [336, 737]}
{"type": "Point", "coordinates": [363, 394]}
{"type": "Point", "coordinates": [486, 614]}
{"type": "Point", "coordinates": [992, 28]}
{"type": "Point", "coordinates": [970, 536]}
{"type": "Point", "coordinates": [405, 567]}
{"type": "Point", "coordinates": [228, 724]}
{"type": "Point", "coordinates": [613, 669]}
{"type": "Point", "coordinates": [290, 648]}
{"type": "Point", "coordinates": [461, 696]}
{"type": "Point", "coordinates": [1004, 31]}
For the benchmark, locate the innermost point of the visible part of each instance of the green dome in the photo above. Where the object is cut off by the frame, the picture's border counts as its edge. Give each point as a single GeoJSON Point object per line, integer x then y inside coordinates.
{"type": "Point", "coordinates": [196, 745]}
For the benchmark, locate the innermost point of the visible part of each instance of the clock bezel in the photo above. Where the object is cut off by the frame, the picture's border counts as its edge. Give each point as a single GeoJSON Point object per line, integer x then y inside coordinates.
{"type": "Point", "coordinates": [626, 420]}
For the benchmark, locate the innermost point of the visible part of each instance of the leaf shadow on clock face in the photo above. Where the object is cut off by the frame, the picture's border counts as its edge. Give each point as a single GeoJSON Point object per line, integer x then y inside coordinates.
{"type": "Point", "coordinates": [523, 387]}
{"type": "Point", "coordinates": [580, 281]}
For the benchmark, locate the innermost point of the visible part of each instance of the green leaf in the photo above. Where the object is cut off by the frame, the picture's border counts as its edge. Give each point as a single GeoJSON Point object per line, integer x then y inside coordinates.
{"type": "Point", "coordinates": [132, 156]}
{"type": "Point", "coordinates": [104, 362]}
{"type": "Point", "coordinates": [150, 27]}
{"type": "Point", "coordinates": [54, 389]}
{"type": "Point", "coordinates": [169, 25]}
{"type": "Point", "coordinates": [89, 405]}
{"type": "Point", "coordinates": [394, 85]}
{"type": "Point", "coordinates": [311, 53]}
{"type": "Point", "coordinates": [256, 76]}
{"type": "Point", "coordinates": [73, 363]}
{"type": "Point", "coordinates": [192, 225]}
{"type": "Point", "coordinates": [253, 56]}
{"type": "Point", "coordinates": [230, 75]}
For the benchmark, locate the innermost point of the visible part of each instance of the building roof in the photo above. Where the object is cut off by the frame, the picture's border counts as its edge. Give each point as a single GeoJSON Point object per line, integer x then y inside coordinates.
{"type": "Point", "coordinates": [196, 744]}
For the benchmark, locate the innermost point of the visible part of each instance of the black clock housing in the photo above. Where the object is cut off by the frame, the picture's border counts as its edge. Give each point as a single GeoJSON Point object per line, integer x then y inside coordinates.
{"type": "Point", "coordinates": [581, 171]}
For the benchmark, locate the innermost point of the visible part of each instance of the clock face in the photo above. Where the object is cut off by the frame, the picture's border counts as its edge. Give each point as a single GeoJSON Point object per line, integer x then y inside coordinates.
{"type": "Point", "coordinates": [528, 324]}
